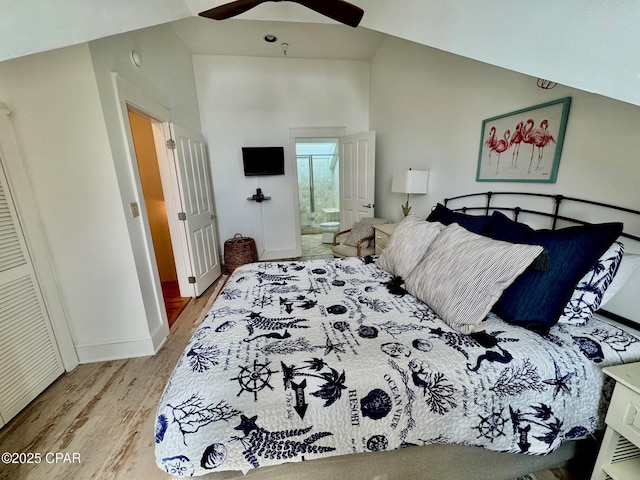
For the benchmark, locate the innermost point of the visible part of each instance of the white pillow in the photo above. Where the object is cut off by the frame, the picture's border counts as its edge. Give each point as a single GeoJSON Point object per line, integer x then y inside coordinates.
{"type": "Point", "coordinates": [407, 245]}
{"type": "Point", "coordinates": [629, 264]}
{"type": "Point", "coordinates": [463, 274]}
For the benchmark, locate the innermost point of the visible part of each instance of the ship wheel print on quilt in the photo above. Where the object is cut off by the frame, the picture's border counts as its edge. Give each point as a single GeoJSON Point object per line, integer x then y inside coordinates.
{"type": "Point", "coordinates": [254, 378]}
{"type": "Point", "coordinates": [492, 426]}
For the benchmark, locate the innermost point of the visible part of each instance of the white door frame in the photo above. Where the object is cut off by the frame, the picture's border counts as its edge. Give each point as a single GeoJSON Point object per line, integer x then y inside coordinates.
{"type": "Point", "coordinates": [130, 95]}
{"type": "Point", "coordinates": [305, 132]}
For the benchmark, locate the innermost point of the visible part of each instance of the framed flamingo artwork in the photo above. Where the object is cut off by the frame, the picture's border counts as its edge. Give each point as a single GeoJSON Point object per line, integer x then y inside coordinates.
{"type": "Point", "coordinates": [525, 145]}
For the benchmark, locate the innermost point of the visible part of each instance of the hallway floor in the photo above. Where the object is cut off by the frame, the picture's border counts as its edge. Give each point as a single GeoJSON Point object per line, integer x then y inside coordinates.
{"type": "Point", "coordinates": [173, 302]}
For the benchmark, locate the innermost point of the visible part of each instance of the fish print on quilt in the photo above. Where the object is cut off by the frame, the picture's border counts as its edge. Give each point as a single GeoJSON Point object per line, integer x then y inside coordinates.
{"type": "Point", "coordinates": [299, 360]}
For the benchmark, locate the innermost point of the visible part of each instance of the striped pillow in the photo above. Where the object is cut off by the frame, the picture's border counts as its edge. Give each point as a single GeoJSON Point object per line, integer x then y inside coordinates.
{"type": "Point", "coordinates": [463, 274]}
{"type": "Point", "coordinates": [407, 245]}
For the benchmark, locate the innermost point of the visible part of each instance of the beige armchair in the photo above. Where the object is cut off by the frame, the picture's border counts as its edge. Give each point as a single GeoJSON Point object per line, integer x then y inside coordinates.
{"type": "Point", "coordinates": [356, 241]}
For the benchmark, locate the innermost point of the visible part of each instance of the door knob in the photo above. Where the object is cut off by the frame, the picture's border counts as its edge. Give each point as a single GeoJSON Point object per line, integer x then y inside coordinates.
{"type": "Point", "coordinates": [368, 205]}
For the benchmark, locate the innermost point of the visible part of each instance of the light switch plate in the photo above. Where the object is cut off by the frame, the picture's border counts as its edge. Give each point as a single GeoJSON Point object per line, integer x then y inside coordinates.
{"type": "Point", "coordinates": [135, 210]}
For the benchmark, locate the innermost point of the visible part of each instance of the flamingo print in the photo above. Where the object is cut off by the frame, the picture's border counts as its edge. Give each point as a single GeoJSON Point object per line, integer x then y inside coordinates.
{"type": "Point", "coordinates": [491, 141]}
{"type": "Point", "coordinates": [526, 133]}
{"type": "Point", "coordinates": [502, 146]}
{"type": "Point", "coordinates": [517, 138]}
{"type": "Point", "coordinates": [539, 137]}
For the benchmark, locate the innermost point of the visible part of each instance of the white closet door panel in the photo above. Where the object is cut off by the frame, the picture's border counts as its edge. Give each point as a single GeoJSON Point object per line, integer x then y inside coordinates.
{"type": "Point", "coordinates": [29, 356]}
{"type": "Point", "coordinates": [28, 359]}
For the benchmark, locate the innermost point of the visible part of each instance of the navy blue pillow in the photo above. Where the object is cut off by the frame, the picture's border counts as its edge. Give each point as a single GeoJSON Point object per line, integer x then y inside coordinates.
{"type": "Point", "coordinates": [535, 300]}
{"type": "Point", "coordinates": [473, 223]}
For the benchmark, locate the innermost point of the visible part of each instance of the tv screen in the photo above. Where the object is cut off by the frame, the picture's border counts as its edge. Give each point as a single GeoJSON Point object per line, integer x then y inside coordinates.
{"type": "Point", "coordinates": [263, 161]}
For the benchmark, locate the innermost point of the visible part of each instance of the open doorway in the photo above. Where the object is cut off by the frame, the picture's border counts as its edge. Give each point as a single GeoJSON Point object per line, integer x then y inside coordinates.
{"type": "Point", "coordinates": [147, 160]}
{"type": "Point", "coordinates": [318, 170]}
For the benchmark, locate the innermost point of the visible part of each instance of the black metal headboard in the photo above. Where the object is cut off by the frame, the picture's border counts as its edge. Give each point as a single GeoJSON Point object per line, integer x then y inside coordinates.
{"type": "Point", "coordinates": [554, 214]}
{"type": "Point", "coordinates": [484, 203]}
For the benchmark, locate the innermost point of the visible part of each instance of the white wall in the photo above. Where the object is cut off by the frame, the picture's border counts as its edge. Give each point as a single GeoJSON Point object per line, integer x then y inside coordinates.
{"type": "Point", "coordinates": [587, 45]}
{"type": "Point", "coordinates": [28, 27]}
{"type": "Point", "coordinates": [166, 73]}
{"type": "Point", "coordinates": [60, 129]}
{"type": "Point", "coordinates": [427, 107]}
{"type": "Point", "coordinates": [246, 101]}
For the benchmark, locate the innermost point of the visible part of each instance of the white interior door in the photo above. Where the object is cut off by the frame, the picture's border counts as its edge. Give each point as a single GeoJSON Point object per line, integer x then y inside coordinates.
{"type": "Point", "coordinates": [29, 357]}
{"type": "Point", "coordinates": [196, 219]}
{"type": "Point", "coordinates": [357, 177]}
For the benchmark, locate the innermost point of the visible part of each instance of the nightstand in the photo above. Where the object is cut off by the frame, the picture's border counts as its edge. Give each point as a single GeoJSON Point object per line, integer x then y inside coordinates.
{"type": "Point", "coordinates": [382, 232]}
{"type": "Point", "coordinates": [619, 457]}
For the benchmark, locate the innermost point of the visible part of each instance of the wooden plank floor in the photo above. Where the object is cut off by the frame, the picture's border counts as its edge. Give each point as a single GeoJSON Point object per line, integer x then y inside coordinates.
{"type": "Point", "coordinates": [101, 415]}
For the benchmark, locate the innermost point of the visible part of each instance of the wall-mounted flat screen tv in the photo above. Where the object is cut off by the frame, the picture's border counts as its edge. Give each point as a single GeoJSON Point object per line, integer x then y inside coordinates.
{"type": "Point", "coordinates": [263, 161]}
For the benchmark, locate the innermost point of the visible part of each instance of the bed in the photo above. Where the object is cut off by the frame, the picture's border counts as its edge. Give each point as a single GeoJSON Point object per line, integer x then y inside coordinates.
{"type": "Point", "coordinates": [429, 361]}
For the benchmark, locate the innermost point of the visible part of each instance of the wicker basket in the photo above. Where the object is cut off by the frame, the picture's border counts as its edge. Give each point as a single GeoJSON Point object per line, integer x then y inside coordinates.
{"type": "Point", "coordinates": [238, 251]}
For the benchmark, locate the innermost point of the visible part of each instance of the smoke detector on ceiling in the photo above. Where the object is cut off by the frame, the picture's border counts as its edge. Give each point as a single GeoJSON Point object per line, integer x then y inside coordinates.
{"type": "Point", "coordinates": [135, 58]}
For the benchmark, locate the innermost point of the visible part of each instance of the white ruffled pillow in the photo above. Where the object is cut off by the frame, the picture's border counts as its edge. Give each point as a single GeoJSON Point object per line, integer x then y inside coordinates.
{"type": "Point", "coordinates": [630, 263]}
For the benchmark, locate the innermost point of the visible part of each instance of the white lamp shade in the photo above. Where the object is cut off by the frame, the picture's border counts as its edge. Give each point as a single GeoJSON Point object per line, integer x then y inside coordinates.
{"type": "Point", "coordinates": [410, 181]}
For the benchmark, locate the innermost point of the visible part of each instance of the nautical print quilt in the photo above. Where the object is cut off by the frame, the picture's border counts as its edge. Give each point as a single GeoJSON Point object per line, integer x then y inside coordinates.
{"type": "Point", "coordinates": [299, 360]}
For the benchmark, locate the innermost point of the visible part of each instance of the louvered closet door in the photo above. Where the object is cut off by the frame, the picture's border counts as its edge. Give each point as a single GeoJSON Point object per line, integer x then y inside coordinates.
{"type": "Point", "coordinates": [29, 357]}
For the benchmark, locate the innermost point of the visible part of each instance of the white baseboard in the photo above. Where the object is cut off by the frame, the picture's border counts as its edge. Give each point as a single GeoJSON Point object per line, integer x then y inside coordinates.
{"type": "Point", "coordinates": [279, 254]}
{"type": "Point", "coordinates": [159, 336]}
{"type": "Point", "coordinates": [115, 350]}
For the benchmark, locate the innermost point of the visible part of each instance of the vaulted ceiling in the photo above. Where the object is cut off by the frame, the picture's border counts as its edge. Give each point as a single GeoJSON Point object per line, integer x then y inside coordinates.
{"type": "Point", "coordinates": [586, 45]}
{"type": "Point", "coordinates": [301, 40]}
